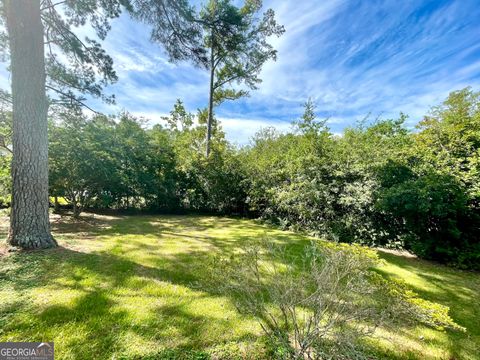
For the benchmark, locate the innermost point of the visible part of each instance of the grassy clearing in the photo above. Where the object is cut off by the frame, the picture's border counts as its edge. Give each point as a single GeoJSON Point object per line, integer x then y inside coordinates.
{"type": "Point", "coordinates": [126, 287]}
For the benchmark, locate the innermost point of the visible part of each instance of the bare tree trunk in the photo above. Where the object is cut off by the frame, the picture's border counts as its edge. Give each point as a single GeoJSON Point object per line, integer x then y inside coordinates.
{"type": "Point", "coordinates": [29, 222]}
{"type": "Point", "coordinates": [76, 210]}
{"type": "Point", "coordinates": [210, 101]}
{"type": "Point", "coordinates": [56, 206]}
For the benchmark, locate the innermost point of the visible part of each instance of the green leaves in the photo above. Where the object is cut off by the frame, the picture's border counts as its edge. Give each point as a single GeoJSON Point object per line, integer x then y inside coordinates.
{"type": "Point", "coordinates": [76, 66]}
{"type": "Point", "coordinates": [377, 184]}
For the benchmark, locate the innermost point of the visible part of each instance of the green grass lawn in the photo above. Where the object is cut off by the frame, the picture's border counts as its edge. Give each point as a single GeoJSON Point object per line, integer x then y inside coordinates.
{"type": "Point", "coordinates": [122, 287]}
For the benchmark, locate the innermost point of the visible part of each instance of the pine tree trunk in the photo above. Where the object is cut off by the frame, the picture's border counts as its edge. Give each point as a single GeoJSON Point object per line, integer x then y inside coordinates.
{"type": "Point", "coordinates": [29, 222]}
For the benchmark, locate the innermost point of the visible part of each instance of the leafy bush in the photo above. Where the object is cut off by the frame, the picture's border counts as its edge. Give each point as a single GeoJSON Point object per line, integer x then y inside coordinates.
{"type": "Point", "coordinates": [433, 214]}
{"type": "Point", "coordinates": [379, 183]}
{"type": "Point", "coordinates": [321, 303]}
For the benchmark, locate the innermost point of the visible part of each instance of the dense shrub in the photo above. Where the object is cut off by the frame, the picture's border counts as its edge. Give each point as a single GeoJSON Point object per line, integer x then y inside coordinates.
{"type": "Point", "coordinates": [432, 213]}
{"type": "Point", "coordinates": [377, 184]}
{"type": "Point", "coordinates": [120, 163]}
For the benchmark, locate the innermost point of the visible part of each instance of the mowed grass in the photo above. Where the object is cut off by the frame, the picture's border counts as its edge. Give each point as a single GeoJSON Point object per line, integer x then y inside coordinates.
{"type": "Point", "coordinates": [122, 287]}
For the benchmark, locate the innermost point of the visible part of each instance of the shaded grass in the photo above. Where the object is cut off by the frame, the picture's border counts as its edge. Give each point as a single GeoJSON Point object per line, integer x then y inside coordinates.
{"type": "Point", "coordinates": [133, 287]}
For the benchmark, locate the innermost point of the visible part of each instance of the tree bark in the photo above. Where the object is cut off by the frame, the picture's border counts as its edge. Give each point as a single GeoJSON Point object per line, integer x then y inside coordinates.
{"type": "Point", "coordinates": [29, 221]}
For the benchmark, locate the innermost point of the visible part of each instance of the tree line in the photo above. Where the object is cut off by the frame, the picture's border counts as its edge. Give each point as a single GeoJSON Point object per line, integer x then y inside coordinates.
{"type": "Point", "coordinates": [378, 184]}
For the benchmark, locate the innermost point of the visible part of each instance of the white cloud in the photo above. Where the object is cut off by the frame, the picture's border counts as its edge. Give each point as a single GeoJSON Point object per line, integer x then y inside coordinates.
{"type": "Point", "coordinates": [240, 131]}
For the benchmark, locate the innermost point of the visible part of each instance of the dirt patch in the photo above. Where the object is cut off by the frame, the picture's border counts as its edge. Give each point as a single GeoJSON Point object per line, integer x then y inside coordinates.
{"type": "Point", "coordinates": [3, 250]}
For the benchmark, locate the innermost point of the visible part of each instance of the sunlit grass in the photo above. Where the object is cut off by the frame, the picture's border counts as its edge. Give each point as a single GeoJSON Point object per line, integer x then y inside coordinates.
{"type": "Point", "coordinates": [126, 287]}
{"type": "Point", "coordinates": [460, 290]}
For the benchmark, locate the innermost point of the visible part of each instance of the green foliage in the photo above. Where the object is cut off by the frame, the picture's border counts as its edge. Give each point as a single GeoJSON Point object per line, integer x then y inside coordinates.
{"type": "Point", "coordinates": [432, 198]}
{"type": "Point", "coordinates": [5, 147]}
{"type": "Point", "coordinates": [323, 301]}
{"type": "Point", "coordinates": [120, 163]}
{"type": "Point", "coordinates": [432, 212]}
{"type": "Point", "coordinates": [377, 184]}
{"type": "Point", "coordinates": [174, 26]}
{"type": "Point", "coordinates": [81, 166]}
{"type": "Point", "coordinates": [212, 184]}
{"type": "Point", "coordinates": [103, 163]}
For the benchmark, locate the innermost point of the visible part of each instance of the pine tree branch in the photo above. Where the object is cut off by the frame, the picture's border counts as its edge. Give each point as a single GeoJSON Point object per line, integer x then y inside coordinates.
{"type": "Point", "coordinates": [73, 98]}
{"type": "Point", "coordinates": [5, 98]}
{"type": "Point", "coordinates": [3, 145]}
{"type": "Point", "coordinates": [51, 5]}
{"type": "Point", "coordinates": [178, 35]}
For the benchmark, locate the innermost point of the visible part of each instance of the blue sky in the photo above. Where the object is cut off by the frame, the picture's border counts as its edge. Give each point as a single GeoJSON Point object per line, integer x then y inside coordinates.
{"type": "Point", "coordinates": [354, 57]}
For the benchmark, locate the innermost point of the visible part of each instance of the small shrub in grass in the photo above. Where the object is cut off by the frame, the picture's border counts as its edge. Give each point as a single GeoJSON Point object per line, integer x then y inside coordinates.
{"type": "Point", "coordinates": [321, 303]}
{"type": "Point", "coordinates": [417, 309]}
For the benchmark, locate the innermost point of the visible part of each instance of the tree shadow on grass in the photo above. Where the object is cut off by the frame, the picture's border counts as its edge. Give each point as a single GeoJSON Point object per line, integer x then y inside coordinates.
{"type": "Point", "coordinates": [86, 310]}
{"type": "Point", "coordinates": [92, 298]}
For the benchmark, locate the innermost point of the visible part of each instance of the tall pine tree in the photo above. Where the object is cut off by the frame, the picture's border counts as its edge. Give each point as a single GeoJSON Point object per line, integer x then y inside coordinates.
{"type": "Point", "coordinates": [51, 64]}
{"type": "Point", "coordinates": [230, 41]}
{"type": "Point", "coordinates": [236, 41]}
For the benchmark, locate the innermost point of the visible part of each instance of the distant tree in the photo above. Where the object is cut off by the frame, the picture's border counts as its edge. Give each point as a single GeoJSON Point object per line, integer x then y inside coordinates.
{"type": "Point", "coordinates": [236, 44]}
{"type": "Point", "coordinates": [308, 123]}
{"type": "Point", "coordinates": [230, 41]}
{"type": "Point", "coordinates": [164, 195]}
{"type": "Point", "coordinates": [82, 166]}
{"type": "Point", "coordinates": [179, 119]}
{"type": "Point", "coordinates": [138, 163]}
{"type": "Point", "coordinates": [211, 184]}
{"type": "Point", "coordinates": [438, 205]}
{"type": "Point", "coordinates": [449, 137]}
